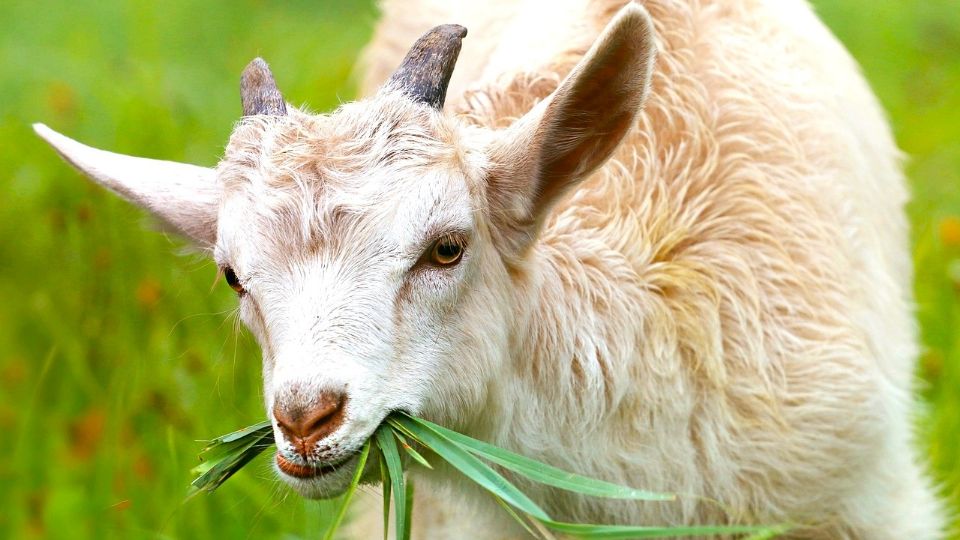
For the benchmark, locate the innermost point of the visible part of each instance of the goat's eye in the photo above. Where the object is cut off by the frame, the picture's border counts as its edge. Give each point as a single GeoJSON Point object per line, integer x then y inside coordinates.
{"type": "Point", "coordinates": [232, 280]}
{"type": "Point", "coordinates": [446, 252]}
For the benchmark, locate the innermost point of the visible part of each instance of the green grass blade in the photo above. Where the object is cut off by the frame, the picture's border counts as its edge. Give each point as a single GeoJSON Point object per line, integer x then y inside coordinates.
{"type": "Point", "coordinates": [219, 454]}
{"type": "Point", "coordinates": [227, 454]}
{"type": "Point", "coordinates": [235, 442]}
{"type": "Point", "coordinates": [260, 429]}
{"type": "Point", "coordinates": [516, 517]}
{"type": "Point", "coordinates": [223, 460]}
{"type": "Point", "coordinates": [348, 496]}
{"type": "Point", "coordinates": [469, 465]}
{"type": "Point", "coordinates": [408, 506]}
{"type": "Point", "coordinates": [411, 450]}
{"type": "Point", "coordinates": [388, 447]}
{"type": "Point", "coordinates": [770, 532]}
{"type": "Point", "coordinates": [623, 532]}
{"type": "Point", "coordinates": [385, 483]}
{"type": "Point", "coordinates": [541, 472]}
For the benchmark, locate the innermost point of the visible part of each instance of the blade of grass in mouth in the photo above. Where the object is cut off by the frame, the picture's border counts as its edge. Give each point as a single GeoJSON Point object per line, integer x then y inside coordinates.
{"type": "Point", "coordinates": [227, 454]}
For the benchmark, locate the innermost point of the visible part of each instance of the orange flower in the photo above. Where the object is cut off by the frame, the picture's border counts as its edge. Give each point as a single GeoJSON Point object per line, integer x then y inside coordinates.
{"type": "Point", "coordinates": [931, 364]}
{"type": "Point", "coordinates": [86, 432]}
{"type": "Point", "coordinates": [148, 293]}
{"type": "Point", "coordinates": [950, 231]}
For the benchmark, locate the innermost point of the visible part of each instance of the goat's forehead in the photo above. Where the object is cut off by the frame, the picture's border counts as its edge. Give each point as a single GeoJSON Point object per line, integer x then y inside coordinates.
{"type": "Point", "coordinates": [379, 170]}
{"type": "Point", "coordinates": [357, 137]}
{"type": "Point", "coordinates": [316, 190]}
{"type": "Point", "coordinates": [382, 216]}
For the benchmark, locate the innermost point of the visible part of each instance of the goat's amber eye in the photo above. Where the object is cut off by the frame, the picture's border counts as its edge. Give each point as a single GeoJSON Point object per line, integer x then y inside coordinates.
{"type": "Point", "coordinates": [446, 252]}
{"type": "Point", "coordinates": [232, 280]}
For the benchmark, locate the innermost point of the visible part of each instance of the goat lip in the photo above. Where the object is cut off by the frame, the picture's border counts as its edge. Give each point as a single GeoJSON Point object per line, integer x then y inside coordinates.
{"type": "Point", "coordinates": [305, 471]}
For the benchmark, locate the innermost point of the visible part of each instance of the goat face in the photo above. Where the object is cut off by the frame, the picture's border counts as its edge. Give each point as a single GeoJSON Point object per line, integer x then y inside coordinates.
{"type": "Point", "coordinates": [365, 270]}
{"type": "Point", "coordinates": [379, 252]}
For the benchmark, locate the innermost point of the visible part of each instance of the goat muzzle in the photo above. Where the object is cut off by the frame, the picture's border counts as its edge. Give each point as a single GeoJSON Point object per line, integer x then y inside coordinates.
{"type": "Point", "coordinates": [305, 426]}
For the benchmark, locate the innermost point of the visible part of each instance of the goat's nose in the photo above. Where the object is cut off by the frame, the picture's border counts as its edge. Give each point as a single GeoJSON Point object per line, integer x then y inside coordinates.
{"type": "Point", "coordinates": [304, 426]}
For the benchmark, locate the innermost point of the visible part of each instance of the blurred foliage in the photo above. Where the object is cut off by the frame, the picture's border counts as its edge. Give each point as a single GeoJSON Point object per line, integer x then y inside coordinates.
{"type": "Point", "coordinates": [116, 351]}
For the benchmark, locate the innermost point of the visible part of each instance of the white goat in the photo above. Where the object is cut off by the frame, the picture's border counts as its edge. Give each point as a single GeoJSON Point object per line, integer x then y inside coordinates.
{"type": "Point", "coordinates": [710, 297]}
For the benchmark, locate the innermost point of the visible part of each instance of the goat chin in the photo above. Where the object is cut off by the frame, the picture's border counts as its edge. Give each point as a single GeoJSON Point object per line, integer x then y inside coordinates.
{"type": "Point", "coordinates": [329, 482]}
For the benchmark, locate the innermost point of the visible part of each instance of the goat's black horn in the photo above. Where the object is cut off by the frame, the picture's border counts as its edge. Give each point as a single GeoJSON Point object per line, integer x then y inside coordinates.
{"type": "Point", "coordinates": [425, 72]}
{"type": "Point", "coordinates": [258, 91]}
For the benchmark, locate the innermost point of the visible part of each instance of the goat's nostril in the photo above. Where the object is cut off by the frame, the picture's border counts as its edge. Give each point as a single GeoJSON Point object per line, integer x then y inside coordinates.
{"type": "Point", "coordinates": [323, 415]}
{"type": "Point", "coordinates": [304, 426]}
{"type": "Point", "coordinates": [287, 427]}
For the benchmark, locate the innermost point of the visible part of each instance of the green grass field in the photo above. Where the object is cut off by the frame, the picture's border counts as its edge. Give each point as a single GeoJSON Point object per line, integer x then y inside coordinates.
{"type": "Point", "coordinates": [116, 351]}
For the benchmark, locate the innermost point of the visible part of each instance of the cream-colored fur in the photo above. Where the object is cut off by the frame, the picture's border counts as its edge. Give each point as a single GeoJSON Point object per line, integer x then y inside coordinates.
{"type": "Point", "coordinates": [721, 309]}
{"type": "Point", "coordinates": [724, 309]}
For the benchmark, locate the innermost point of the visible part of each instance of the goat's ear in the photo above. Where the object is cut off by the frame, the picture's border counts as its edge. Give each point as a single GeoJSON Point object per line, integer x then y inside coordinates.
{"type": "Point", "coordinates": [566, 137]}
{"type": "Point", "coordinates": [184, 197]}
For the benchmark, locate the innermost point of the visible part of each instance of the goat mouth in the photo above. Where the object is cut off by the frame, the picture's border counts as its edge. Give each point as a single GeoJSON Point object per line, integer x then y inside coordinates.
{"type": "Point", "coordinates": [305, 472]}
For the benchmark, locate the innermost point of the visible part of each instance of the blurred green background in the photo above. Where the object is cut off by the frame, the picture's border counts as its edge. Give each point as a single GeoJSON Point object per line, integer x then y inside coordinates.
{"type": "Point", "coordinates": [117, 353]}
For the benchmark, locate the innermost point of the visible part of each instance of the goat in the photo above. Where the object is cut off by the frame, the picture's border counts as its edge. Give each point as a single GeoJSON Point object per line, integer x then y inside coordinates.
{"type": "Point", "coordinates": [658, 244]}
